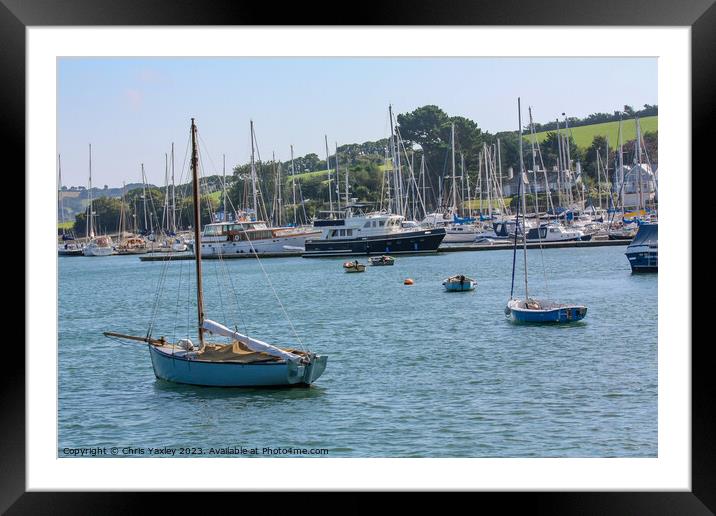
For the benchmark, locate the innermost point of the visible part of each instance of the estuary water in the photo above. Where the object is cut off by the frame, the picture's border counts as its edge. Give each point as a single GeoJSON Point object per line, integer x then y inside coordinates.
{"type": "Point", "coordinates": [413, 371]}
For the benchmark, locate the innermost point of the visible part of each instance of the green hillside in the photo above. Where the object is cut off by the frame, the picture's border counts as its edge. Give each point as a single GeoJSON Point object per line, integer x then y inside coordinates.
{"type": "Point", "coordinates": [320, 173]}
{"type": "Point", "coordinates": [584, 135]}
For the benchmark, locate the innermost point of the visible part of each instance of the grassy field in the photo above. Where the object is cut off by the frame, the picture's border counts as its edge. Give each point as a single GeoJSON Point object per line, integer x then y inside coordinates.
{"type": "Point", "coordinates": [474, 204]}
{"type": "Point", "coordinates": [65, 225]}
{"type": "Point", "coordinates": [308, 175]}
{"type": "Point", "coordinates": [320, 173]}
{"type": "Point", "coordinates": [584, 135]}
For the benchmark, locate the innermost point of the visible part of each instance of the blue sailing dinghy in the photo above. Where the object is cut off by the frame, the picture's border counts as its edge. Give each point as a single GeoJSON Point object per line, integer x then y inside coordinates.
{"type": "Point", "coordinates": [540, 311]}
{"type": "Point", "coordinates": [528, 309]}
{"type": "Point", "coordinates": [244, 362]}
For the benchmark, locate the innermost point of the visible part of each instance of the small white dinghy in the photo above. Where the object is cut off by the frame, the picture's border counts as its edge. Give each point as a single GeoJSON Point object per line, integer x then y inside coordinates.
{"type": "Point", "coordinates": [459, 283]}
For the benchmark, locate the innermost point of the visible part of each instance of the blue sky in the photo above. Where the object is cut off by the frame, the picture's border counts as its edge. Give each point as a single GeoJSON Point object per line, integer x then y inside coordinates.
{"type": "Point", "coordinates": [131, 109]}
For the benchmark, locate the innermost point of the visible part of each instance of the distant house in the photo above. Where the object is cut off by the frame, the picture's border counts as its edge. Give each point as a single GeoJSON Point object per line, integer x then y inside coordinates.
{"type": "Point", "coordinates": [537, 182]}
{"type": "Point", "coordinates": [637, 178]}
{"type": "Point", "coordinates": [69, 194]}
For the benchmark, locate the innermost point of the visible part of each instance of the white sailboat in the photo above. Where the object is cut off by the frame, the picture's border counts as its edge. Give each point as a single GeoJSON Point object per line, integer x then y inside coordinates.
{"type": "Point", "coordinates": [246, 362]}
{"type": "Point", "coordinates": [101, 245]}
{"type": "Point", "coordinates": [68, 247]}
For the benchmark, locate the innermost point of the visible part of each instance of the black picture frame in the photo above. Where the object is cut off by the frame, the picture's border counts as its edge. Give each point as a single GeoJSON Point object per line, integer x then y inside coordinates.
{"type": "Point", "coordinates": [700, 15]}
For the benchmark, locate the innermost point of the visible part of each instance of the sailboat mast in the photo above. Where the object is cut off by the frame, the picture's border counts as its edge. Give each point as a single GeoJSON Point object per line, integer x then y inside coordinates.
{"type": "Point", "coordinates": [90, 228]}
{"type": "Point", "coordinates": [338, 183]}
{"type": "Point", "coordinates": [462, 183]}
{"type": "Point", "coordinates": [280, 197]}
{"type": "Point", "coordinates": [346, 185]}
{"type": "Point", "coordinates": [638, 161]}
{"type": "Point", "coordinates": [328, 170]}
{"type": "Point", "coordinates": [174, 201]}
{"type": "Point", "coordinates": [467, 183]}
{"type": "Point", "coordinates": [400, 195]}
{"type": "Point", "coordinates": [224, 184]}
{"type": "Point", "coordinates": [59, 193]}
{"type": "Point", "coordinates": [253, 173]}
{"type": "Point", "coordinates": [165, 215]}
{"type": "Point", "coordinates": [197, 231]}
{"type": "Point", "coordinates": [422, 180]}
{"type": "Point", "coordinates": [393, 170]}
{"type": "Point", "coordinates": [599, 181]}
{"type": "Point", "coordinates": [568, 158]}
{"type": "Point", "coordinates": [454, 188]}
{"type": "Point", "coordinates": [606, 170]}
{"type": "Point", "coordinates": [293, 187]}
{"type": "Point", "coordinates": [621, 161]}
{"type": "Point", "coordinates": [534, 159]}
{"type": "Point", "coordinates": [144, 198]}
{"type": "Point", "coordinates": [479, 182]}
{"type": "Point", "coordinates": [524, 203]}
{"type": "Point", "coordinates": [499, 163]}
{"type": "Point", "coordinates": [487, 182]}
{"type": "Point", "coordinates": [121, 214]}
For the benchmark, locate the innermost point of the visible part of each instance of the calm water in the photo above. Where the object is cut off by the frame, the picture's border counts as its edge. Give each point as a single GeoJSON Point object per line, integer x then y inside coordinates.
{"type": "Point", "coordinates": [412, 371]}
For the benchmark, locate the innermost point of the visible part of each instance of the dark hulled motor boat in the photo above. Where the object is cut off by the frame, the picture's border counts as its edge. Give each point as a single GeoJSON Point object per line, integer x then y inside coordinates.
{"type": "Point", "coordinates": [373, 233]}
{"type": "Point", "coordinates": [643, 252]}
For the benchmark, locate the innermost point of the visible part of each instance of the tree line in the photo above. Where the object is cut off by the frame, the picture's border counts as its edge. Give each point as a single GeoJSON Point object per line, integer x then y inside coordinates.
{"type": "Point", "coordinates": [425, 133]}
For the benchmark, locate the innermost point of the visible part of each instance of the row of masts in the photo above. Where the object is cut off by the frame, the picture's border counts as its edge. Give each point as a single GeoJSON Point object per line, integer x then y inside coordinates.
{"type": "Point", "coordinates": [406, 192]}
{"type": "Point", "coordinates": [168, 222]}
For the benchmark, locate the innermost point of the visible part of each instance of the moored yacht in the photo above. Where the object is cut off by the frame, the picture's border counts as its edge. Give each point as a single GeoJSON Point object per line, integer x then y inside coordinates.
{"type": "Point", "coordinates": [460, 233]}
{"type": "Point", "coordinates": [248, 236]}
{"type": "Point", "coordinates": [100, 246]}
{"type": "Point", "coordinates": [378, 232]}
{"type": "Point", "coordinates": [555, 233]}
{"type": "Point", "coordinates": [70, 249]}
{"type": "Point", "coordinates": [643, 251]}
{"type": "Point", "coordinates": [132, 245]}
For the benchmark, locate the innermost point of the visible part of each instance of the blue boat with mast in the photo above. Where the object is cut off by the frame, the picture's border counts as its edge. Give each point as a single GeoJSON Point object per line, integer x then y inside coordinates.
{"type": "Point", "coordinates": [527, 309]}
{"type": "Point", "coordinates": [245, 362]}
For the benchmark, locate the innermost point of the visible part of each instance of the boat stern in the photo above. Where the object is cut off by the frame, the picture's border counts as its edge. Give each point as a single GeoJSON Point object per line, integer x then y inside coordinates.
{"type": "Point", "coordinates": [314, 369]}
{"type": "Point", "coordinates": [306, 373]}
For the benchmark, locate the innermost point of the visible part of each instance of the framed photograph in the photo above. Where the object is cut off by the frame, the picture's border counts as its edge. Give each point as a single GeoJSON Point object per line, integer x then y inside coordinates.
{"type": "Point", "coordinates": [219, 180]}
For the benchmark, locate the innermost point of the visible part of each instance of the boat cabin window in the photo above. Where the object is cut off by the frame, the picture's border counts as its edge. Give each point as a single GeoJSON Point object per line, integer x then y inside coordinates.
{"type": "Point", "coordinates": [213, 230]}
{"type": "Point", "coordinates": [366, 225]}
{"type": "Point", "coordinates": [382, 223]}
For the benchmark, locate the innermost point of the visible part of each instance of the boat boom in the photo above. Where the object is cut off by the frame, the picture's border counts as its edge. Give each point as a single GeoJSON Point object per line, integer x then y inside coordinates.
{"type": "Point", "coordinates": [253, 344]}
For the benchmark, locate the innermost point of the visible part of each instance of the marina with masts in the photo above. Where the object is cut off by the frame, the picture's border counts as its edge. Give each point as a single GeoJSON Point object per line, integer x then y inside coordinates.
{"type": "Point", "coordinates": [403, 221]}
{"type": "Point", "coordinates": [276, 264]}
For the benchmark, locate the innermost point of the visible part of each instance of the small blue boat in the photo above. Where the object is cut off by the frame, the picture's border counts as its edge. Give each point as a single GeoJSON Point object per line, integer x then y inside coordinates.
{"type": "Point", "coordinates": [459, 283]}
{"type": "Point", "coordinates": [528, 309]}
{"type": "Point", "coordinates": [244, 369]}
{"type": "Point", "coordinates": [244, 362]}
{"type": "Point", "coordinates": [643, 251]}
{"type": "Point", "coordinates": [540, 311]}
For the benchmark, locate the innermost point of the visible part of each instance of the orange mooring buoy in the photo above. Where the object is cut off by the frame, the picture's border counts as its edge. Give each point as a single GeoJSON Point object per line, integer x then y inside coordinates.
{"type": "Point", "coordinates": [408, 282]}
